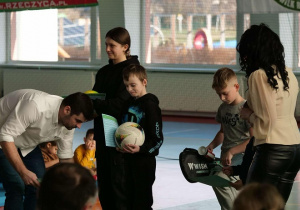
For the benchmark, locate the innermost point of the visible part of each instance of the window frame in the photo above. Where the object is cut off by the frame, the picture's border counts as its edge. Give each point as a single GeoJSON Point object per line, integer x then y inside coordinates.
{"type": "Point", "coordinates": [93, 64]}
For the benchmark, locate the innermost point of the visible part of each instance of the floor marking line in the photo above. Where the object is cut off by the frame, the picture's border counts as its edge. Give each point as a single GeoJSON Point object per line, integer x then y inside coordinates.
{"type": "Point", "coordinates": [183, 131]}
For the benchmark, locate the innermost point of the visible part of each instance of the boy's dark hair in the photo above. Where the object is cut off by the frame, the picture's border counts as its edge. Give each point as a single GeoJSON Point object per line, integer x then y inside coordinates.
{"type": "Point", "coordinates": [79, 103]}
{"type": "Point", "coordinates": [89, 132]}
{"type": "Point", "coordinates": [44, 144]}
{"type": "Point", "coordinates": [222, 77]}
{"type": "Point", "coordinates": [66, 186]}
{"type": "Point", "coordinates": [121, 36]}
{"type": "Point", "coordinates": [135, 69]}
{"type": "Point", "coordinates": [260, 47]}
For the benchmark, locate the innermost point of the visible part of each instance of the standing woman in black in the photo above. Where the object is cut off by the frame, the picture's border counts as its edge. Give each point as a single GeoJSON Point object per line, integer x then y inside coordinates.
{"type": "Point", "coordinates": [110, 163]}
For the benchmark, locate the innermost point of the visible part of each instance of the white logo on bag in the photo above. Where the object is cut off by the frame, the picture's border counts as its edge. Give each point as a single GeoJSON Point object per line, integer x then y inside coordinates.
{"type": "Point", "coordinates": [196, 166]}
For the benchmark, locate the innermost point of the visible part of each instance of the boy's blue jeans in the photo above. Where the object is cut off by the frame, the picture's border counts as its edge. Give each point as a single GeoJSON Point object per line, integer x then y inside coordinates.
{"type": "Point", "coordinates": [18, 195]}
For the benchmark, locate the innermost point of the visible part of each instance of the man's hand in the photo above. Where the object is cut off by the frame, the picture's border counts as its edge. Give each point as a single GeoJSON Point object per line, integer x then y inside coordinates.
{"type": "Point", "coordinates": [14, 158]}
{"type": "Point", "coordinates": [30, 178]}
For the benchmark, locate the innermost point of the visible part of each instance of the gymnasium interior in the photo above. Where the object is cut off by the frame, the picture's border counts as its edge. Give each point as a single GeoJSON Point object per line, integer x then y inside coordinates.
{"type": "Point", "coordinates": [181, 43]}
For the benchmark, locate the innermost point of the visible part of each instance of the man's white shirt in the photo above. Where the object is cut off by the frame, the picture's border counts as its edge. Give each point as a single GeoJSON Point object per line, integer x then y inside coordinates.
{"type": "Point", "coordinates": [29, 117]}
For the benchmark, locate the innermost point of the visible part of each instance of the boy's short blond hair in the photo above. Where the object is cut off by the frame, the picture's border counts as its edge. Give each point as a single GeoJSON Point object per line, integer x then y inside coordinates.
{"type": "Point", "coordinates": [222, 77]}
{"type": "Point", "coordinates": [136, 70]}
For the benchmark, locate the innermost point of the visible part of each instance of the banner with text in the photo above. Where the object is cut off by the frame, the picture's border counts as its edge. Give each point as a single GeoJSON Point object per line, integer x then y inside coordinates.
{"type": "Point", "coordinates": [18, 5]}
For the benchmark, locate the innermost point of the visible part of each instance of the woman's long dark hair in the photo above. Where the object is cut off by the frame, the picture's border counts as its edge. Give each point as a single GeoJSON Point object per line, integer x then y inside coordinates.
{"type": "Point", "coordinates": [260, 47]}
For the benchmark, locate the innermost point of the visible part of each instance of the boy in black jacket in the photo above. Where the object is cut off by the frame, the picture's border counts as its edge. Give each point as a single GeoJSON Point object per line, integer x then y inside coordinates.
{"type": "Point", "coordinates": [140, 162]}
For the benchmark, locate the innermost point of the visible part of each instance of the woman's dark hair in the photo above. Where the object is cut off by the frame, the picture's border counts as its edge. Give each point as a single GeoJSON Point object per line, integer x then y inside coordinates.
{"type": "Point", "coordinates": [66, 186]}
{"type": "Point", "coordinates": [260, 47]}
{"type": "Point", "coordinates": [80, 103]}
{"type": "Point", "coordinates": [121, 36]}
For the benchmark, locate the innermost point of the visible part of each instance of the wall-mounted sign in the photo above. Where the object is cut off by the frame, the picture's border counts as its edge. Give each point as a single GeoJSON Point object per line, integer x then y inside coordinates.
{"type": "Point", "coordinates": [17, 5]}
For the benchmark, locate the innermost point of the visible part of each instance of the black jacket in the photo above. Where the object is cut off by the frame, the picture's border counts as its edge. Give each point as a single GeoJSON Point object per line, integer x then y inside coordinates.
{"type": "Point", "coordinates": [146, 112]}
{"type": "Point", "coordinates": [109, 80]}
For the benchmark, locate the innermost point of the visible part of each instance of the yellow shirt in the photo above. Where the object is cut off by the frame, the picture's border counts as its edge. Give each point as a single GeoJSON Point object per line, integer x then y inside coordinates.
{"type": "Point", "coordinates": [273, 118]}
{"type": "Point", "coordinates": [84, 157]}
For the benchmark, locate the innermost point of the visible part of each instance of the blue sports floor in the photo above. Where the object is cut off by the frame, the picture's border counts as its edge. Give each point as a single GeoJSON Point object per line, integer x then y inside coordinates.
{"type": "Point", "coordinates": [171, 190]}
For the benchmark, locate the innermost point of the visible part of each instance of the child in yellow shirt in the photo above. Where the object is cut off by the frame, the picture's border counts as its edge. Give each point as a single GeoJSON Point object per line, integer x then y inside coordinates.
{"type": "Point", "coordinates": [85, 153]}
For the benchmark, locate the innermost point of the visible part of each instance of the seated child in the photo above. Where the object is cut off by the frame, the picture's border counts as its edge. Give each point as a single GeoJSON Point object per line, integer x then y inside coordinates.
{"type": "Point", "coordinates": [49, 152]}
{"type": "Point", "coordinates": [85, 153]}
{"type": "Point", "coordinates": [67, 186]}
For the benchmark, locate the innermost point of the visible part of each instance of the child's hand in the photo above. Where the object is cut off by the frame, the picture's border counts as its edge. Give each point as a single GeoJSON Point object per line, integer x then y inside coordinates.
{"type": "Point", "coordinates": [210, 148]}
{"type": "Point", "coordinates": [237, 185]}
{"type": "Point", "coordinates": [227, 170]}
{"type": "Point", "coordinates": [226, 158]}
{"type": "Point", "coordinates": [131, 148]}
{"type": "Point", "coordinates": [90, 145]}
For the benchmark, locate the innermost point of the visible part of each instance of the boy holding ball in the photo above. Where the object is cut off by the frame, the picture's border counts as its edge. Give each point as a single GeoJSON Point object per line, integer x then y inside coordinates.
{"type": "Point", "coordinates": [140, 162]}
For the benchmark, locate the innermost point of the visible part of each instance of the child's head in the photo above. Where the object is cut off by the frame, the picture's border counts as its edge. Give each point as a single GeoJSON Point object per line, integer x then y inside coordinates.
{"type": "Point", "coordinates": [89, 141]}
{"type": "Point", "coordinates": [89, 136]}
{"type": "Point", "coordinates": [117, 42]}
{"type": "Point", "coordinates": [135, 80]}
{"type": "Point", "coordinates": [67, 186]}
{"type": "Point", "coordinates": [259, 196]}
{"type": "Point", "coordinates": [226, 85]}
{"type": "Point", "coordinates": [50, 147]}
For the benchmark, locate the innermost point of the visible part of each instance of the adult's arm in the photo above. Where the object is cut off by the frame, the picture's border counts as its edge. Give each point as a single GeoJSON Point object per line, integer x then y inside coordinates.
{"type": "Point", "coordinates": [14, 158]}
{"type": "Point", "coordinates": [20, 118]}
{"type": "Point", "coordinates": [263, 101]}
{"type": "Point", "coordinates": [65, 146]}
{"type": "Point", "coordinates": [114, 105]}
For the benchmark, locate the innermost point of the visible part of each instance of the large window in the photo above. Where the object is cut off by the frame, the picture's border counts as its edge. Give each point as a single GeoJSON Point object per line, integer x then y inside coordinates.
{"type": "Point", "coordinates": [196, 34]}
{"type": "Point", "coordinates": [191, 32]}
{"type": "Point", "coordinates": [55, 35]}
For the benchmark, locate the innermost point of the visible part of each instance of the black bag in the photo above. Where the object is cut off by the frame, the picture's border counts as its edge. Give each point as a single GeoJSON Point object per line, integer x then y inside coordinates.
{"type": "Point", "coordinates": [194, 165]}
